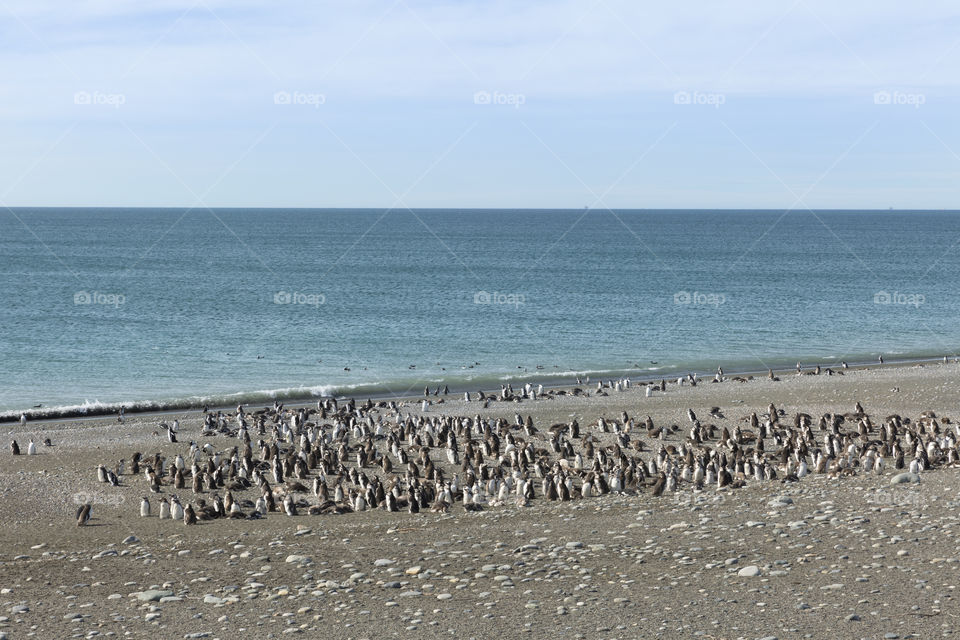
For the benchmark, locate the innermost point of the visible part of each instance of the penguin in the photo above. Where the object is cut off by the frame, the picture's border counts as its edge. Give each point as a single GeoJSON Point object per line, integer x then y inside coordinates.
{"type": "Point", "coordinates": [164, 509]}
{"type": "Point", "coordinates": [144, 508]}
{"type": "Point", "coordinates": [189, 515]}
{"type": "Point", "coordinates": [31, 448]}
{"type": "Point", "coordinates": [176, 509]}
{"type": "Point", "coordinates": [83, 514]}
{"type": "Point", "coordinates": [14, 448]}
{"type": "Point", "coordinates": [289, 507]}
{"type": "Point", "coordinates": [660, 485]}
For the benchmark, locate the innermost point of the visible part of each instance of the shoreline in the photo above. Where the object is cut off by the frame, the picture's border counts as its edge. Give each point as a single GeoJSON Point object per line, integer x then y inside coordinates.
{"type": "Point", "coordinates": [159, 407]}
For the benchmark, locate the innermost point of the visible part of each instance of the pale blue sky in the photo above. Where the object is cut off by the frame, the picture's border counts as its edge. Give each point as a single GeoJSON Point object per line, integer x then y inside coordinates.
{"type": "Point", "coordinates": [172, 103]}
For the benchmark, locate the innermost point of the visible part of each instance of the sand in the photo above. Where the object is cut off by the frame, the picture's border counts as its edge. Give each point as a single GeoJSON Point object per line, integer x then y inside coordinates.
{"type": "Point", "coordinates": [823, 557]}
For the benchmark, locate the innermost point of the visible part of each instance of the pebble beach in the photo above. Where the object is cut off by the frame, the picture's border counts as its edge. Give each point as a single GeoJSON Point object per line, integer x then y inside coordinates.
{"type": "Point", "coordinates": [858, 554]}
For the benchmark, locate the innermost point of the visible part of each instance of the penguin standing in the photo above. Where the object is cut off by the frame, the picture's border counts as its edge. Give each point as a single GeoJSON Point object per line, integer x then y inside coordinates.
{"type": "Point", "coordinates": [83, 514]}
{"type": "Point", "coordinates": [189, 515]}
{"type": "Point", "coordinates": [31, 448]}
{"type": "Point", "coordinates": [176, 509]}
{"type": "Point", "coordinates": [164, 509]}
{"type": "Point", "coordinates": [14, 448]}
{"type": "Point", "coordinates": [144, 508]}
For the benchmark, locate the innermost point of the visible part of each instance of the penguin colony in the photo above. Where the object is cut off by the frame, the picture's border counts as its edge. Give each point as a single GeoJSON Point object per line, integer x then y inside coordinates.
{"type": "Point", "coordinates": [341, 458]}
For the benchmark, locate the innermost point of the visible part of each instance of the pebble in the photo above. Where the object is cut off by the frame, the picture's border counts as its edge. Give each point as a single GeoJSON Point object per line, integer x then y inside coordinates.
{"type": "Point", "coordinates": [296, 559]}
{"type": "Point", "coordinates": [750, 571]}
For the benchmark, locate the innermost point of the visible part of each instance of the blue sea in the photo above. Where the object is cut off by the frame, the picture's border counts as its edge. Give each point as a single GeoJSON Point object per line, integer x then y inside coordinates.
{"type": "Point", "coordinates": [177, 307]}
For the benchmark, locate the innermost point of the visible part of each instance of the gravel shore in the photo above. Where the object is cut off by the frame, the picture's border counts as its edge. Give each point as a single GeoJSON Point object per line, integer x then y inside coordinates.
{"type": "Point", "coordinates": [848, 555]}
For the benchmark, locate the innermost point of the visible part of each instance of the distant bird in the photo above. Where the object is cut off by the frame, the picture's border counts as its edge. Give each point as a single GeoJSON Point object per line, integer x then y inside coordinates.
{"type": "Point", "coordinates": [144, 508]}
{"type": "Point", "coordinates": [14, 448]}
{"type": "Point", "coordinates": [83, 514]}
{"type": "Point", "coordinates": [31, 448]}
{"type": "Point", "coordinates": [176, 509]}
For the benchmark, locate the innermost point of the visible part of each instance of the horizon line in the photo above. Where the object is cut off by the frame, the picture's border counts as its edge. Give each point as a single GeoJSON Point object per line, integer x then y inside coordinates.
{"type": "Point", "coordinates": [506, 208]}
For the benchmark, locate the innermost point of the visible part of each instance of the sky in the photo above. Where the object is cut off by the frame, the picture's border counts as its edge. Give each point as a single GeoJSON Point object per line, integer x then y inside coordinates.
{"type": "Point", "coordinates": [455, 103]}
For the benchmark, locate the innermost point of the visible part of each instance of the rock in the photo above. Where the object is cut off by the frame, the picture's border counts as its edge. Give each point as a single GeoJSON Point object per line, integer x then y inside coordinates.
{"type": "Point", "coordinates": [574, 545]}
{"type": "Point", "coordinates": [291, 559]}
{"type": "Point", "coordinates": [750, 571]}
{"type": "Point", "coordinates": [853, 618]}
{"type": "Point", "coordinates": [904, 478]}
{"type": "Point", "coordinates": [150, 617]}
{"type": "Point", "coordinates": [412, 571]}
{"type": "Point", "coordinates": [212, 599]}
{"type": "Point", "coordinates": [382, 562]}
{"type": "Point", "coordinates": [153, 595]}
{"type": "Point", "coordinates": [131, 540]}
{"type": "Point", "coordinates": [19, 608]}
{"type": "Point", "coordinates": [444, 596]}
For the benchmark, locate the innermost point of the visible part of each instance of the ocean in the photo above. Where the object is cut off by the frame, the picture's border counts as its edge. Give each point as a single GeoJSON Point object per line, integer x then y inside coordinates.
{"type": "Point", "coordinates": [175, 307]}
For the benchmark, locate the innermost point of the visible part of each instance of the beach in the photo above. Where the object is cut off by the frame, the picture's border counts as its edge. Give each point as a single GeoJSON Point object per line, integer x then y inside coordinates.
{"type": "Point", "coordinates": [840, 555]}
